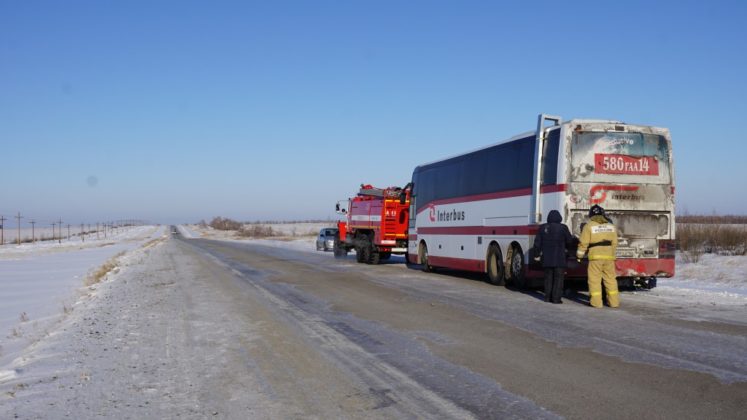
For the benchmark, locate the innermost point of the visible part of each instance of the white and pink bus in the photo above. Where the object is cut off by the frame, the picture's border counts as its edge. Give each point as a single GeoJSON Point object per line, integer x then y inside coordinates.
{"type": "Point", "coordinates": [480, 211]}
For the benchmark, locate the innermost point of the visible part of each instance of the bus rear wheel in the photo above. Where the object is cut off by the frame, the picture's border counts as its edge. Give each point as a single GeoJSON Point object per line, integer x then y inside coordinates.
{"type": "Point", "coordinates": [494, 265]}
{"type": "Point", "coordinates": [516, 267]}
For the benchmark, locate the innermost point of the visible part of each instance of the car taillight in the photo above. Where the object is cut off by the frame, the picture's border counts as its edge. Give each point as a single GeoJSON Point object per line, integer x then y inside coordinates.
{"type": "Point", "coordinates": [666, 248]}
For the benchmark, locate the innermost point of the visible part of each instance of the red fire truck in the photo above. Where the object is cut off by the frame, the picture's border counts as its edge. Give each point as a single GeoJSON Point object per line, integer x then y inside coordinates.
{"type": "Point", "coordinates": [375, 223]}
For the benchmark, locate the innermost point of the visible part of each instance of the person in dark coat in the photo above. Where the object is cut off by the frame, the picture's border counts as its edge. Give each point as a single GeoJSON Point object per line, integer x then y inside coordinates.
{"type": "Point", "coordinates": [550, 243]}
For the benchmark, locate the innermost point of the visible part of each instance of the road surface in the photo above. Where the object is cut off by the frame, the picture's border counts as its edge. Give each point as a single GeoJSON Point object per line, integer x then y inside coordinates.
{"type": "Point", "coordinates": [200, 328]}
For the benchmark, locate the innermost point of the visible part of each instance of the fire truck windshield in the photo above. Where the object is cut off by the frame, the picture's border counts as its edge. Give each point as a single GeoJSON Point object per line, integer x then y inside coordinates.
{"type": "Point", "coordinates": [619, 157]}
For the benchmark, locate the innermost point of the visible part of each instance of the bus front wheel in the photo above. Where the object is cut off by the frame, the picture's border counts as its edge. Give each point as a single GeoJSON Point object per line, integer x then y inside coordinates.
{"type": "Point", "coordinates": [424, 258]}
{"type": "Point", "coordinates": [495, 266]}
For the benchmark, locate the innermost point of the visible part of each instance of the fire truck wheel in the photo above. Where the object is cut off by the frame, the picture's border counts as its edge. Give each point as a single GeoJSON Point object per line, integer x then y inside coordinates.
{"type": "Point", "coordinates": [359, 254]}
{"type": "Point", "coordinates": [366, 254]}
{"type": "Point", "coordinates": [374, 258]}
{"type": "Point", "coordinates": [340, 252]}
{"type": "Point", "coordinates": [424, 258]}
{"type": "Point", "coordinates": [516, 268]}
{"type": "Point", "coordinates": [495, 268]}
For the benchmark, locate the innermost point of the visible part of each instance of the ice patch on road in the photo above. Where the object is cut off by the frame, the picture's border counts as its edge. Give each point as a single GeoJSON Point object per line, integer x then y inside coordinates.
{"type": "Point", "coordinates": [187, 232]}
{"type": "Point", "coordinates": [6, 375]}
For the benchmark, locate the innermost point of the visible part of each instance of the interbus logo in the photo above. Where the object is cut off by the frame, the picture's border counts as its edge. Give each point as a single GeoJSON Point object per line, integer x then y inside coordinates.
{"type": "Point", "coordinates": [444, 216]}
{"type": "Point", "coordinates": [598, 193]}
{"type": "Point", "coordinates": [432, 212]}
{"type": "Point", "coordinates": [450, 216]}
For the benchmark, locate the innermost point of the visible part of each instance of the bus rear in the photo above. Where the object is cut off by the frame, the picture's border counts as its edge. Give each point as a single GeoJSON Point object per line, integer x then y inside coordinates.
{"type": "Point", "coordinates": [628, 170]}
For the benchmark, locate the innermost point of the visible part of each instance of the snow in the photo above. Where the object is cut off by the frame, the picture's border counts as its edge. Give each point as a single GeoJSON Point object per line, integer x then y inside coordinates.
{"type": "Point", "coordinates": [712, 289]}
{"type": "Point", "coordinates": [716, 280]}
{"type": "Point", "coordinates": [281, 231]}
{"type": "Point", "coordinates": [296, 236]}
{"type": "Point", "coordinates": [719, 274]}
{"type": "Point", "coordinates": [43, 281]}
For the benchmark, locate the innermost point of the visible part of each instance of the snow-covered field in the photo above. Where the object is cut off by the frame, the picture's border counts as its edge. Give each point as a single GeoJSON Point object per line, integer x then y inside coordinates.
{"type": "Point", "coordinates": [42, 282]}
{"type": "Point", "coordinates": [714, 288]}
{"type": "Point", "coordinates": [295, 232]}
{"type": "Point", "coordinates": [46, 232]}
{"type": "Point", "coordinates": [298, 236]}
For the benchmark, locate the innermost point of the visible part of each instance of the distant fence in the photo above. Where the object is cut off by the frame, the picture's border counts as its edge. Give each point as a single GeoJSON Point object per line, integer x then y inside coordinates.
{"type": "Point", "coordinates": [712, 219]}
{"type": "Point", "coordinates": [36, 230]}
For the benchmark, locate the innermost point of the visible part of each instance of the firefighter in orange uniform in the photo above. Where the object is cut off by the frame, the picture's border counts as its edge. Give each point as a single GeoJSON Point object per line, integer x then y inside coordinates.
{"type": "Point", "coordinates": [599, 238]}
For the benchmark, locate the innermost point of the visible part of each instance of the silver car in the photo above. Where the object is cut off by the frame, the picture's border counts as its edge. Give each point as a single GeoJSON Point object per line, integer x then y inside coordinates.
{"type": "Point", "coordinates": [326, 239]}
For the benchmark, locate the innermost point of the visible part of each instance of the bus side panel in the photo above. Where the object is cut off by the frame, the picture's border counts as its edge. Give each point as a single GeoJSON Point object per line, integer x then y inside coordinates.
{"type": "Point", "coordinates": [480, 223]}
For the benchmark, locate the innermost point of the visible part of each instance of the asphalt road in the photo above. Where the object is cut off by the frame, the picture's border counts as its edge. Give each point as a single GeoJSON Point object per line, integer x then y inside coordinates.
{"type": "Point", "coordinates": [401, 343]}
{"type": "Point", "coordinates": [194, 328]}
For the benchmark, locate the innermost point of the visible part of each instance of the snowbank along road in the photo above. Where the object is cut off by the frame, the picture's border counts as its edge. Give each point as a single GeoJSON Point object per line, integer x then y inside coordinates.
{"type": "Point", "coordinates": [195, 328]}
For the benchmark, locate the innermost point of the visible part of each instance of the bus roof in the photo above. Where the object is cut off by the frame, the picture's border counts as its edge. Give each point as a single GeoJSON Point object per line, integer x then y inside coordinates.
{"type": "Point", "coordinates": [532, 133]}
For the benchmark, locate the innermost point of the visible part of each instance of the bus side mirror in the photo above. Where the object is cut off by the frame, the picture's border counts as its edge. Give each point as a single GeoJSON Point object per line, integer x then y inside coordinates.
{"type": "Point", "coordinates": [403, 193]}
{"type": "Point", "coordinates": [337, 207]}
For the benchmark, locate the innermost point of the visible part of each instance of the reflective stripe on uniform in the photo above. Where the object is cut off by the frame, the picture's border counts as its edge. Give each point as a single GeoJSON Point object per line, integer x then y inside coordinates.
{"type": "Point", "coordinates": [596, 293]}
{"type": "Point", "coordinates": [613, 292]}
{"type": "Point", "coordinates": [602, 258]}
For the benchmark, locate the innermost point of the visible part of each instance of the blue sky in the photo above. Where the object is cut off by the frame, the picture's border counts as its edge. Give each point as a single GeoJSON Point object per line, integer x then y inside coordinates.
{"type": "Point", "coordinates": [175, 111]}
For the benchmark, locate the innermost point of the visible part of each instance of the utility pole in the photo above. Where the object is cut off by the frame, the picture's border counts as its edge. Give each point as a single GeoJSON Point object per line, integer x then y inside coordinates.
{"type": "Point", "coordinates": [33, 238]}
{"type": "Point", "coordinates": [68, 231]}
{"type": "Point", "coordinates": [54, 232]}
{"type": "Point", "coordinates": [82, 234]}
{"type": "Point", "coordinates": [18, 222]}
{"type": "Point", "coordinates": [2, 222]}
{"type": "Point", "coordinates": [97, 230]}
{"type": "Point", "coordinates": [59, 225]}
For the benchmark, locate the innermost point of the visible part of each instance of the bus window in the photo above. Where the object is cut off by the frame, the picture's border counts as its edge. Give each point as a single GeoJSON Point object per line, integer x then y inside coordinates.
{"type": "Point", "coordinates": [550, 153]}
{"type": "Point", "coordinates": [619, 157]}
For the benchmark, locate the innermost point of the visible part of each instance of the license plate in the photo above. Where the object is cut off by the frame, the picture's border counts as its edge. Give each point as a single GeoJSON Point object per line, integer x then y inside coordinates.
{"type": "Point", "coordinates": [625, 165]}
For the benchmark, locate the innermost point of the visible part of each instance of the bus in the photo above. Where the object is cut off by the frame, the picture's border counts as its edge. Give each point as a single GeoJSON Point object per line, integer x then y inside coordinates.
{"type": "Point", "coordinates": [479, 211]}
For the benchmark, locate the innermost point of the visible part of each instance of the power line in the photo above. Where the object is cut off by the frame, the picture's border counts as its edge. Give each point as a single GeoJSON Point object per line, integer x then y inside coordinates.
{"type": "Point", "coordinates": [2, 226]}
{"type": "Point", "coordinates": [18, 222]}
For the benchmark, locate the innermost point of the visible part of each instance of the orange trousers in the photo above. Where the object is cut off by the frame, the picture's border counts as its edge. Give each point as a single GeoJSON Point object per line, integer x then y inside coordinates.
{"type": "Point", "coordinates": [603, 271]}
